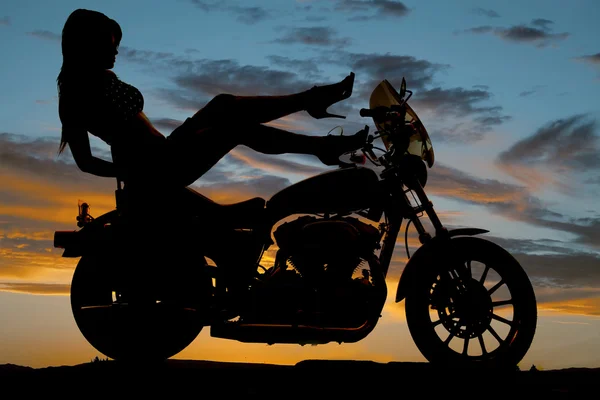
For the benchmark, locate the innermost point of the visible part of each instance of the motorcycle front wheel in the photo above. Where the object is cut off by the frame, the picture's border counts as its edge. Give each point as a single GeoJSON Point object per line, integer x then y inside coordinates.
{"type": "Point", "coordinates": [472, 305]}
{"type": "Point", "coordinates": [133, 325]}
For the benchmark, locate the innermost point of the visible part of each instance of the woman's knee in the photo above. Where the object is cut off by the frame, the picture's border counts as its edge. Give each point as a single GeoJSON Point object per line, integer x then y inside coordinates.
{"type": "Point", "coordinates": [222, 102]}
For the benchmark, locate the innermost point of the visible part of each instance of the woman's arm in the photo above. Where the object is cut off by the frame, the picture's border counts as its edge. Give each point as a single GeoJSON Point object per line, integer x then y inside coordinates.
{"type": "Point", "coordinates": [79, 143]}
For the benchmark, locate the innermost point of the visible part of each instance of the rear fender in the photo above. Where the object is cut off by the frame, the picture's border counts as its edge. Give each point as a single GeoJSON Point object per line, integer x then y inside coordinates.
{"type": "Point", "coordinates": [425, 254]}
{"type": "Point", "coordinates": [94, 236]}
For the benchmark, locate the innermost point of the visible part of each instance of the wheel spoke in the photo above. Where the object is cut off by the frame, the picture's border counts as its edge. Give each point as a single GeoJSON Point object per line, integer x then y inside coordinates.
{"type": "Point", "coordinates": [466, 346]}
{"type": "Point", "coordinates": [469, 270]}
{"type": "Point", "coordinates": [496, 286]}
{"type": "Point", "coordinates": [452, 333]}
{"type": "Point", "coordinates": [482, 344]}
{"type": "Point", "coordinates": [501, 303]}
{"type": "Point", "coordinates": [494, 334]}
{"type": "Point", "coordinates": [449, 338]}
{"type": "Point", "coordinates": [484, 275]}
{"type": "Point", "coordinates": [436, 323]}
{"type": "Point", "coordinates": [499, 318]}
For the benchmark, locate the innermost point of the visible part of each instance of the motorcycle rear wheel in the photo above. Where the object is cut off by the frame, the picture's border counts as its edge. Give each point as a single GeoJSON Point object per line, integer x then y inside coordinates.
{"type": "Point", "coordinates": [121, 325]}
{"type": "Point", "coordinates": [477, 310]}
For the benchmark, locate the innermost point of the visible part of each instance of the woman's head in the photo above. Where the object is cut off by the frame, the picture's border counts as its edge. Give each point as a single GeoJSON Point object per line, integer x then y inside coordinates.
{"type": "Point", "coordinates": [89, 46]}
{"type": "Point", "coordinates": [90, 40]}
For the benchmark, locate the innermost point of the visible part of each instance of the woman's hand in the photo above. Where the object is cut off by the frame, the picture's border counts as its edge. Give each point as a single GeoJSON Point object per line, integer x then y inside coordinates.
{"type": "Point", "coordinates": [79, 143]}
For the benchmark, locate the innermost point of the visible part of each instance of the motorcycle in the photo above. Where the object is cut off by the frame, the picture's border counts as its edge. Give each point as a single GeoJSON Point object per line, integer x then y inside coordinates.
{"type": "Point", "coordinates": [149, 279]}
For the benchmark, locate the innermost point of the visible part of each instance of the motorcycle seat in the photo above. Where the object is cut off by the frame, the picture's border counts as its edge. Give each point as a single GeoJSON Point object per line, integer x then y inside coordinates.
{"type": "Point", "coordinates": [243, 214]}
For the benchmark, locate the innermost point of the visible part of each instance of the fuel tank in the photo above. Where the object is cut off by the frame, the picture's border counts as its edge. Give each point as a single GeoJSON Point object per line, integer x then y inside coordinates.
{"type": "Point", "coordinates": [343, 190]}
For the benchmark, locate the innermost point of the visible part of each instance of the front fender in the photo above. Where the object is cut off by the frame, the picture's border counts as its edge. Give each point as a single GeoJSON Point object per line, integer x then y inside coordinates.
{"type": "Point", "coordinates": [423, 254]}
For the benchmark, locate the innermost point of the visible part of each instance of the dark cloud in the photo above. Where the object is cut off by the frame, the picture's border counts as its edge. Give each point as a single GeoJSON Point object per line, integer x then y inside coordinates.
{"type": "Point", "coordinates": [228, 76]}
{"type": "Point", "coordinates": [591, 59]}
{"type": "Point", "coordinates": [374, 8]}
{"type": "Point", "coordinates": [455, 101]}
{"type": "Point", "coordinates": [246, 15]}
{"type": "Point", "coordinates": [206, 5]}
{"type": "Point", "coordinates": [531, 91]}
{"type": "Point", "coordinates": [418, 72]}
{"type": "Point", "coordinates": [478, 29]}
{"type": "Point", "coordinates": [313, 36]}
{"type": "Point", "coordinates": [522, 33]}
{"type": "Point", "coordinates": [316, 18]}
{"type": "Point", "coordinates": [465, 105]}
{"type": "Point", "coordinates": [5, 21]}
{"type": "Point", "coordinates": [251, 15]}
{"type": "Point", "coordinates": [538, 32]}
{"type": "Point", "coordinates": [47, 35]}
{"type": "Point", "coordinates": [566, 143]}
{"type": "Point", "coordinates": [542, 23]}
{"type": "Point", "coordinates": [147, 56]}
{"type": "Point", "coordinates": [486, 12]}
{"type": "Point", "coordinates": [308, 67]}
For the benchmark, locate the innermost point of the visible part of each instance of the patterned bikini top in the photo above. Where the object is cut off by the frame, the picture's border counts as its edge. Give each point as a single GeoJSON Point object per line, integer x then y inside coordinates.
{"type": "Point", "coordinates": [116, 103]}
{"type": "Point", "coordinates": [122, 99]}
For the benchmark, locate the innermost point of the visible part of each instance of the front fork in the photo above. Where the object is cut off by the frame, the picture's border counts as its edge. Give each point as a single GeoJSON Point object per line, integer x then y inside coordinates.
{"type": "Point", "coordinates": [400, 208]}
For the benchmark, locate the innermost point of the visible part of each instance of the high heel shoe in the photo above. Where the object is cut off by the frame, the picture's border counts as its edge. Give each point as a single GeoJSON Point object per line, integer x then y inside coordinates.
{"type": "Point", "coordinates": [334, 146]}
{"type": "Point", "coordinates": [322, 97]}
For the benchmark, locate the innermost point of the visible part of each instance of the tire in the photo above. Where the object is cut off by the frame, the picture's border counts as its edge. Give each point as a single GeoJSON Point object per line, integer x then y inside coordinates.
{"type": "Point", "coordinates": [119, 324]}
{"type": "Point", "coordinates": [485, 317]}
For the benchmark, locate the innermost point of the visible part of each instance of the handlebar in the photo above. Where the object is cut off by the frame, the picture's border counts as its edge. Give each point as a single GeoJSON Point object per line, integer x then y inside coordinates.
{"type": "Point", "coordinates": [381, 111]}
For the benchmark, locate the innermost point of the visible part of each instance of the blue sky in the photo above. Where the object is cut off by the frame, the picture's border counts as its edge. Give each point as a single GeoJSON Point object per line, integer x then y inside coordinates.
{"type": "Point", "coordinates": [507, 89]}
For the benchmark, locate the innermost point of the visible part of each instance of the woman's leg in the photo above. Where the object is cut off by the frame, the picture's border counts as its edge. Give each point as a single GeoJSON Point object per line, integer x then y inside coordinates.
{"type": "Point", "coordinates": [195, 152]}
{"type": "Point", "coordinates": [261, 109]}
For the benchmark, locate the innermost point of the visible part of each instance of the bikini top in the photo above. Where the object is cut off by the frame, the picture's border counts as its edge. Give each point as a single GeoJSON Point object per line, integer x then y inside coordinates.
{"type": "Point", "coordinates": [113, 106]}
{"type": "Point", "coordinates": [122, 99]}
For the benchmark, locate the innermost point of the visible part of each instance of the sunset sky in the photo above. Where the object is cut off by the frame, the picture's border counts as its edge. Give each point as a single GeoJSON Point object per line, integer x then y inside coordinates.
{"type": "Point", "coordinates": [508, 90]}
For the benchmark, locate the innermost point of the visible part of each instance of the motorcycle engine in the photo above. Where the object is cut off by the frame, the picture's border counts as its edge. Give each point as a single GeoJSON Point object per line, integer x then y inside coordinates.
{"type": "Point", "coordinates": [326, 250]}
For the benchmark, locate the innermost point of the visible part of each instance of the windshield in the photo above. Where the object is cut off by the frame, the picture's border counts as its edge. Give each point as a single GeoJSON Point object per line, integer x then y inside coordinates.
{"type": "Point", "coordinates": [420, 144]}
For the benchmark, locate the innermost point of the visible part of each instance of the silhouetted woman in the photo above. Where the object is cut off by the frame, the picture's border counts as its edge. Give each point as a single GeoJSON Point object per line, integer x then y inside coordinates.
{"type": "Point", "coordinates": [93, 99]}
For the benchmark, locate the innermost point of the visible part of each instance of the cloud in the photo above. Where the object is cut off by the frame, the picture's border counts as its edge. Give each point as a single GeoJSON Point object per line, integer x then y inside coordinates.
{"type": "Point", "coordinates": [251, 15]}
{"type": "Point", "coordinates": [167, 124]}
{"type": "Point", "coordinates": [486, 12]}
{"type": "Point", "coordinates": [593, 59]}
{"type": "Point", "coordinates": [538, 33]}
{"type": "Point", "coordinates": [246, 15]}
{"type": "Point", "coordinates": [456, 101]}
{"type": "Point", "coordinates": [307, 67]}
{"type": "Point", "coordinates": [235, 191]}
{"type": "Point", "coordinates": [554, 264]}
{"type": "Point", "coordinates": [474, 120]}
{"type": "Point", "coordinates": [274, 164]}
{"type": "Point", "coordinates": [47, 35]}
{"type": "Point", "coordinates": [418, 72]}
{"type": "Point", "coordinates": [513, 202]}
{"type": "Point", "coordinates": [36, 288]}
{"type": "Point", "coordinates": [375, 8]}
{"type": "Point", "coordinates": [558, 148]}
{"type": "Point", "coordinates": [531, 91]}
{"type": "Point", "coordinates": [313, 36]}
{"type": "Point", "coordinates": [542, 23]}
{"type": "Point", "coordinates": [5, 21]}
